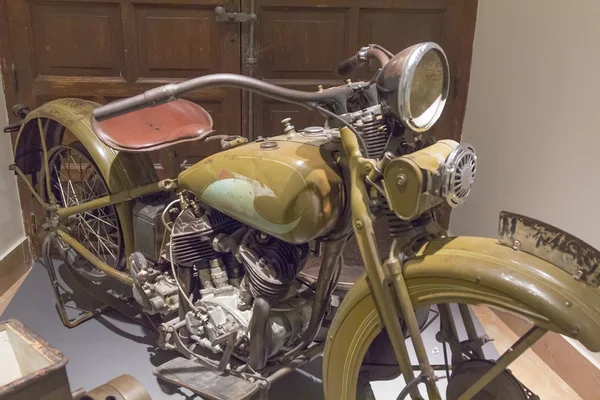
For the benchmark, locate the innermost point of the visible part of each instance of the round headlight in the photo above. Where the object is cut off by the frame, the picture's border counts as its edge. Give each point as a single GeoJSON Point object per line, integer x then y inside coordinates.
{"type": "Point", "coordinates": [414, 85]}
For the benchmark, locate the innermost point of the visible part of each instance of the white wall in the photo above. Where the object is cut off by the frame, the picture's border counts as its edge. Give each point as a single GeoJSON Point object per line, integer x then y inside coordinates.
{"type": "Point", "coordinates": [11, 218]}
{"type": "Point", "coordinates": [532, 115]}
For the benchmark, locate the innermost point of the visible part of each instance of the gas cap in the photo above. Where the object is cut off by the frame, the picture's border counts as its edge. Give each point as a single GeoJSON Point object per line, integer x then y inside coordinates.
{"type": "Point", "coordinates": [269, 145]}
{"type": "Point", "coordinates": [313, 131]}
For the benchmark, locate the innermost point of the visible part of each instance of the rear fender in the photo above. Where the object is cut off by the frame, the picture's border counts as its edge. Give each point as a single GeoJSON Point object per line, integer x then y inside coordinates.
{"type": "Point", "coordinates": [122, 171]}
{"type": "Point", "coordinates": [464, 270]}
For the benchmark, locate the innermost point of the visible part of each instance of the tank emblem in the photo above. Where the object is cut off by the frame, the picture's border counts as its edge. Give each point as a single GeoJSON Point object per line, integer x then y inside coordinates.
{"type": "Point", "coordinates": [235, 196]}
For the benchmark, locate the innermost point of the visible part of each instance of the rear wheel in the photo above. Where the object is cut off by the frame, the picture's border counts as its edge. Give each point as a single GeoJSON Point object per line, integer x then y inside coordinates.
{"type": "Point", "coordinates": [75, 179]}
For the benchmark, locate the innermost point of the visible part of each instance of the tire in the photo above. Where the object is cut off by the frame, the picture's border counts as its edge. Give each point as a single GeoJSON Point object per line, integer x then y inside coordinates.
{"type": "Point", "coordinates": [380, 351]}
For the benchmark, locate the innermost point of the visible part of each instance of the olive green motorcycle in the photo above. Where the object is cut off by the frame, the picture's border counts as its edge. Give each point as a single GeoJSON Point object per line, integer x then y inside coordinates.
{"type": "Point", "coordinates": [240, 258]}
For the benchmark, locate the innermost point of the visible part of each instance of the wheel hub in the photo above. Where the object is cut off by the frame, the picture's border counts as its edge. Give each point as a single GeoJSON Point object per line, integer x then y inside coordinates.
{"type": "Point", "coordinates": [504, 387]}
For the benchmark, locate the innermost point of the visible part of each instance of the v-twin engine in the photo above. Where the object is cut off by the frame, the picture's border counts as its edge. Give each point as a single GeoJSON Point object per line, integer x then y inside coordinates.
{"type": "Point", "coordinates": [224, 266]}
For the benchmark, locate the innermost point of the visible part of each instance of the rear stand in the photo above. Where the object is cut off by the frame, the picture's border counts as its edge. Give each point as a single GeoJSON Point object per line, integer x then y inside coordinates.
{"type": "Point", "coordinates": [127, 307]}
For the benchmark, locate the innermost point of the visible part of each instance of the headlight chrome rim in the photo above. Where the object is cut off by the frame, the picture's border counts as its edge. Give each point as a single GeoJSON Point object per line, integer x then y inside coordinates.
{"type": "Point", "coordinates": [406, 80]}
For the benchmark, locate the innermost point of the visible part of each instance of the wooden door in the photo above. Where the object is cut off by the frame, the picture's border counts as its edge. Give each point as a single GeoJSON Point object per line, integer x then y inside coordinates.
{"type": "Point", "coordinates": [104, 50]}
{"type": "Point", "coordinates": [110, 49]}
{"type": "Point", "coordinates": [299, 44]}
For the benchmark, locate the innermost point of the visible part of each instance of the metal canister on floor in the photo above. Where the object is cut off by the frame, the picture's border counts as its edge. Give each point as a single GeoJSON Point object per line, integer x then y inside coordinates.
{"type": "Point", "coordinates": [32, 369]}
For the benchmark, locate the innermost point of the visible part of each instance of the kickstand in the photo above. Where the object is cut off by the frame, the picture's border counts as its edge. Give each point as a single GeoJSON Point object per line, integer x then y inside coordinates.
{"type": "Point", "coordinates": [60, 304]}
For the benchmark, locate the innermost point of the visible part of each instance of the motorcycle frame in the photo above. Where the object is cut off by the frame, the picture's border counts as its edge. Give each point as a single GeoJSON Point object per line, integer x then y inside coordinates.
{"type": "Point", "coordinates": [58, 215]}
{"type": "Point", "coordinates": [362, 223]}
{"type": "Point", "coordinates": [386, 282]}
{"type": "Point", "coordinates": [63, 213]}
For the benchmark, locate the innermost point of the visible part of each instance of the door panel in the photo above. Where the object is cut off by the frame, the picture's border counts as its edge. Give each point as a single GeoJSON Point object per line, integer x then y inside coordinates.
{"type": "Point", "coordinates": [273, 112]}
{"type": "Point", "coordinates": [299, 44]}
{"type": "Point", "coordinates": [86, 40]}
{"type": "Point", "coordinates": [398, 29]}
{"type": "Point", "coordinates": [177, 41]}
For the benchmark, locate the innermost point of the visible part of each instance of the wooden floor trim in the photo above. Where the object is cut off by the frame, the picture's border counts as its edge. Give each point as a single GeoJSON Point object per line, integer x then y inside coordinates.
{"type": "Point", "coordinates": [14, 265]}
{"type": "Point", "coordinates": [529, 368]}
{"type": "Point", "coordinates": [564, 359]}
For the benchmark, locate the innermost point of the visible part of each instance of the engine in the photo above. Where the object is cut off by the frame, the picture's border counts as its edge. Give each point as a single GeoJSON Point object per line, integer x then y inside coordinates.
{"type": "Point", "coordinates": [230, 265]}
{"type": "Point", "coordinates": [370, 123]}
{"type": "Point", "coordinates": [448, 172]}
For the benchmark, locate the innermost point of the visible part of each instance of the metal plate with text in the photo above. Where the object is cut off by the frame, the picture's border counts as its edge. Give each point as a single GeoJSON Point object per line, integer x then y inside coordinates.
{"type": "Point", "coordinates": [551, 244]}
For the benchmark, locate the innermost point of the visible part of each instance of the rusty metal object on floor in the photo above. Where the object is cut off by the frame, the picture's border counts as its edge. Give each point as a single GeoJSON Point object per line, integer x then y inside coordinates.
{"type": "Point", "coordinates": [124, 387]}
{"type": "Point", "coordinates": [40, 368]}
{"type": "Point", "coordinates": [39, 371]}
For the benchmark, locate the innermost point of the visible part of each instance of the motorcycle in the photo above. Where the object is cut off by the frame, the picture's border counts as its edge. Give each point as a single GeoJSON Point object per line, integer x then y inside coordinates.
{"type": "Point", "coordinates": [218, 255]}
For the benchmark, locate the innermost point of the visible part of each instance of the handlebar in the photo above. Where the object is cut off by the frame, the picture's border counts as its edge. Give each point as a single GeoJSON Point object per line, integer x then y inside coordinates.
{"type": "Point", "coordinates": [365, 54]}
{"type": "Point", "coordinates": [170, 92]}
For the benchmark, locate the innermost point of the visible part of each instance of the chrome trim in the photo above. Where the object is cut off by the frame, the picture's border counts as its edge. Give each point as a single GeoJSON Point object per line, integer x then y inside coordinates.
{"type": "Point", "coordinates": [458, 174]}
{"type": "Point", "coordinates": [405, 85]}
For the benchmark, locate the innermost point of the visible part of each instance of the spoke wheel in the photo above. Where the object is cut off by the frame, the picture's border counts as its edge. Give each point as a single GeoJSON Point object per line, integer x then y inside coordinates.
{"type": "Point", "coordinates": [379, 364]}
{"type": "Point", "coordinates": [75, 179]}
{"type": "Point", "coordinates": [504, 386]}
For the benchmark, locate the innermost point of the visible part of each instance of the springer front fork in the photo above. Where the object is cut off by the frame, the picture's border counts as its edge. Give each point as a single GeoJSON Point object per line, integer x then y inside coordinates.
{"type": "Point", "coordinates": [363, 227]}
{"type": "Point", "coordinates": [389, 287]}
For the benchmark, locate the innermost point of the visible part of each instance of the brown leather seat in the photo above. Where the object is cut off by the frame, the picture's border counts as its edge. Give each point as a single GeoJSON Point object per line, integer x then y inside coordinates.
{"type": "Point", "coordinates": [155, 127]}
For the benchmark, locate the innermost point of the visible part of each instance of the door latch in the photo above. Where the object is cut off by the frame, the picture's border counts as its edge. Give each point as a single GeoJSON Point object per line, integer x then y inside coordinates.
{"type": "Point", "coordinates": [223, 16]}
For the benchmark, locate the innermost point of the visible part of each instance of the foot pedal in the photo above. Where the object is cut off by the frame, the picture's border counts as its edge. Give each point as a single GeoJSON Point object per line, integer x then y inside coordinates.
{"type": "Point", "coordinates": [205, 381]}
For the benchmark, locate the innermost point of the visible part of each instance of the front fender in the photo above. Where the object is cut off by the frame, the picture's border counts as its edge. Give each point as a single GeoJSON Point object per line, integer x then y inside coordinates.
{"type": "Point", "coordinates": [464, 270]}
{"type": "Point", "coordinates": [122, 171]}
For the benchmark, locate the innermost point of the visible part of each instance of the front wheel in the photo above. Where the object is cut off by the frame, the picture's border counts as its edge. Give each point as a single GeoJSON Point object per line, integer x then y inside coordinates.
{"type": "Point", "coordinates": [358, 352]}
{"type": "Point", "coordinates": [458, 371]}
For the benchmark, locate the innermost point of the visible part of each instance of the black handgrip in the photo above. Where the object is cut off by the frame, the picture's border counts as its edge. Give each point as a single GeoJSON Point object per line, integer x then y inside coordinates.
{"type": "Point", "coordinates": [347, 66]}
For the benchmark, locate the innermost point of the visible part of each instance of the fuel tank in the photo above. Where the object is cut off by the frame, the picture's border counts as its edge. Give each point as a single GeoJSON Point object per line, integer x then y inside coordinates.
{"type": "Point", "coordinates": [290, 189]}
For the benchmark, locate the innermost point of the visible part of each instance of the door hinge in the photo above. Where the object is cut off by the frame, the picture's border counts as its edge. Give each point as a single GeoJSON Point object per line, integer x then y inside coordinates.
{"type": "Point", "coordinates": [223, 16]}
